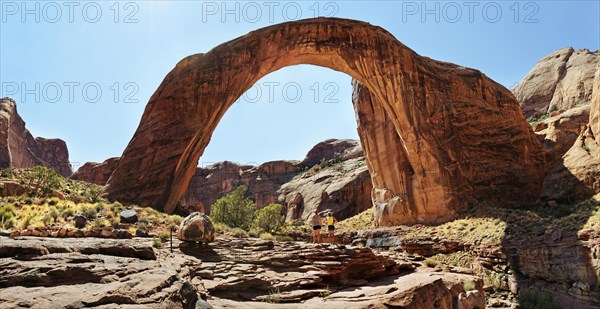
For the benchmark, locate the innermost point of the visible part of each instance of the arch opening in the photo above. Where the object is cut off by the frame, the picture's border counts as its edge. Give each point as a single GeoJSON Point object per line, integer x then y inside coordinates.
{"type": "Point", "coordinates": [428, 118]}
{"type": "Point", "coordinates": [283, 115]}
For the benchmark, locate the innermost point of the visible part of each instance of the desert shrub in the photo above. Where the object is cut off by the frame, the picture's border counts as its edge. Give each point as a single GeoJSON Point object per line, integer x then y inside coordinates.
{"type": "Point", "coordinates": [151, 214]}
{"type": "Point", "coordinates": [7, 214]}
{"type": "Point", "coordinates": [142, 224]}
{"type": "Point", "coordinates": [42, 181]}
{"type": "Point", "coordinates": [100, 222]}
{"type": "Point", "coordinates": [89, 212]}
{"type": "Point", "coordinates": [94, 194]}
{"type": "Point", "coordinates": [67, 212]}
{"type": "Point", "coordinates": [109, 214]}
{"type": "Point", "coordinates": [114, 222]}
{"type": "Point", "coordinates": [469, 286]}
{"type": "Point", "coordinates": [157, 243]}
{"type": "Point", "coordinates": [283, 238]}
{"type": "Point", "coordinates": [254, 232]}
{"type": "Point", "coordinates": [430, 262]}
{"type": "Point", "coordinates": [47, 218]}
{"type": "Point", "coordinates": [234, 209]}
{"type": "Point", "coordinates": [174, 220]}
{"type": "Point", "coordinates": [269, 218]}
{"type": "Point", "coordinates": [143, 220]}
{"type": "Point", "coordinates": [267, 236]}
{"type": "Point", "coordinates": [164, 236]}
{"type": "Point", "coordinates": [238, 232]}
{"type": "Point", "coordinates": [117, 207]}
{"type": "Point", "coordinates": [274, 297]}
{"type": "Point", "coordinates": [25, 220]}
{"type": "Point", "coordinates": [7, 173]}
{"type": "Point", "coordinates": [326, 292]}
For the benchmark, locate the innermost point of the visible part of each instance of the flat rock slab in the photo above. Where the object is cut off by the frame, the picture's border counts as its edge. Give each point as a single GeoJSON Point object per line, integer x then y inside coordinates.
{"type": "Point", "coordinates": [44, 273]}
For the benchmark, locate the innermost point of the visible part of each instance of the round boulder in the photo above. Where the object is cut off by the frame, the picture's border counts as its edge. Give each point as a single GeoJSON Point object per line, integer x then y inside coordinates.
{"type": "Point", "coordinates": [197, 227]}
{"type": "Point", "coordinates": [80, 221]}
{"type": "Point", "coordinates": [129, 216]}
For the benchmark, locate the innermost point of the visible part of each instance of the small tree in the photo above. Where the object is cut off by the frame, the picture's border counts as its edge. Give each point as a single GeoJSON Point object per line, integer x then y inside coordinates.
{"type": "Point", "coordinates": [269, 218]}
{"type": "Point", "coordinates": [42, 181]}
{"type": "Point", "coordinates": [234, 209]}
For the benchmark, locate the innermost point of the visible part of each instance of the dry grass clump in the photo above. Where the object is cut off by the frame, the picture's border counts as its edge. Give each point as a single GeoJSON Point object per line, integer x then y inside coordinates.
{"type": "Point", "coordinates": [362, 221]}
{"type": "Point", "coordinates": [22, 212]}
{"type": "Point", "coordinates": [482, 230]}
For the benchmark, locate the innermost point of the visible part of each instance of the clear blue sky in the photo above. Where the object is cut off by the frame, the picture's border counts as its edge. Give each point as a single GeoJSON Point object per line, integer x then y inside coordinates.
{"type": "Point", "coordinates": [131, 46]}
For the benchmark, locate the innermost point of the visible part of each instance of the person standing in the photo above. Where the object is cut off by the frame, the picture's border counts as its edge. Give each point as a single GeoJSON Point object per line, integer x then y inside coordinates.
{"type": "Point", "coordinates": [330, 226]}
{"type": "Point", "coordinates": [316, 225]}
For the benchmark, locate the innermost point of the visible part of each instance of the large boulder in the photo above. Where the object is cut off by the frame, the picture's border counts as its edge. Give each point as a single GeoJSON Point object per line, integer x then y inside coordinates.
{"type": "Point", "coordinates": [560, 80]}
{"type": "Point", "coordinates": [197, 227]}
{"type": "Point", "coordinates": [18, 148]}
{"type": "Point", "coordinates": [128, 216]}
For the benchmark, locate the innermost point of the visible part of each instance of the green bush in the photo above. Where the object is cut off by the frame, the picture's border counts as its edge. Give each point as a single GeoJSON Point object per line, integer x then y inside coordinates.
{"type": "Point", "coordinates": [7, 214]}
{"type": "Point", "coordinates": [469, 286]}
{"type": "Point", "coordinates": [234, 209]}
{"type": "Point", "coordinates": [157, 243]}
{"type": "Point", "coordinates": [67, 212]}
{"type": "Point", "coordinates": [430, 262]}
{"type": "Point", "coordinates": [164, 236]}
{"type": "Point", "coordinates": [267, 236]}
{"type": "Point", "coordinates": [89, 212]}
{"type": "Point", "coordinates": [269, 218]}
{"type": "Point", "coordinates": [42, 181]}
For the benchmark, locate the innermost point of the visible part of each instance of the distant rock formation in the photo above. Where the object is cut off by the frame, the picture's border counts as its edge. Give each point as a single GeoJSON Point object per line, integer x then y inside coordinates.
{"type": "Point", "coordinates": [97, 173]}
{"type": "Point", "coordinates": [333, 176]}
{"type": "Point", "coordinates": [558, 81]}
{"type": "Point", "coordinates": [18, 148]}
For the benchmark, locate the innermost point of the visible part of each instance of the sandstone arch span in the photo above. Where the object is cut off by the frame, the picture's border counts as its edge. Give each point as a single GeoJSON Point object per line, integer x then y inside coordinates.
{"type": "Point", "coordinates": [438, 136]}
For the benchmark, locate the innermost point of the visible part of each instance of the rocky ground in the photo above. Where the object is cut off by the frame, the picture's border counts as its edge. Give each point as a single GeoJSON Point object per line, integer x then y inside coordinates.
{"type": "Point", "coordinates": [229, 273]}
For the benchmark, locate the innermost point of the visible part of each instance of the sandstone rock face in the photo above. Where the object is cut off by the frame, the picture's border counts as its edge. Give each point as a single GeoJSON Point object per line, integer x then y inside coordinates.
{"type": "Point", "coordinates": [464, 135]}
{"type": "Point", "coordinates": [559, 133]}
{"type": "Point", "coordinates": [197, 227]}
{"type": "Point", "coordinates": [212, 182]}
{"type": "Point", "coordinates": [97, 173]}
{"type": "Point", "coordinates": [19, 149]}
{"type": "Point", "coordinates": [343, 149]}
{"type": "Point", "coordinates": [343, 188]}
{"type": "Point", "coordinates": [568, 268]}
{"type": "Point", "coordinates": [333, 177]}
{"type": "Point", "coordinates": [54, 152]}
{"type": "Point", "coordinates": [562, 79]}
{"type": "Point", "coordinates": [595, 111]}
{"type": "Point", "coordinates": [578, 175]}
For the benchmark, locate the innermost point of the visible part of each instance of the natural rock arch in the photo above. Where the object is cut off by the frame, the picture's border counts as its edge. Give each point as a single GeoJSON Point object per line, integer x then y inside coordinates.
{"type": "Point", "coordinates": [454, 137]}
